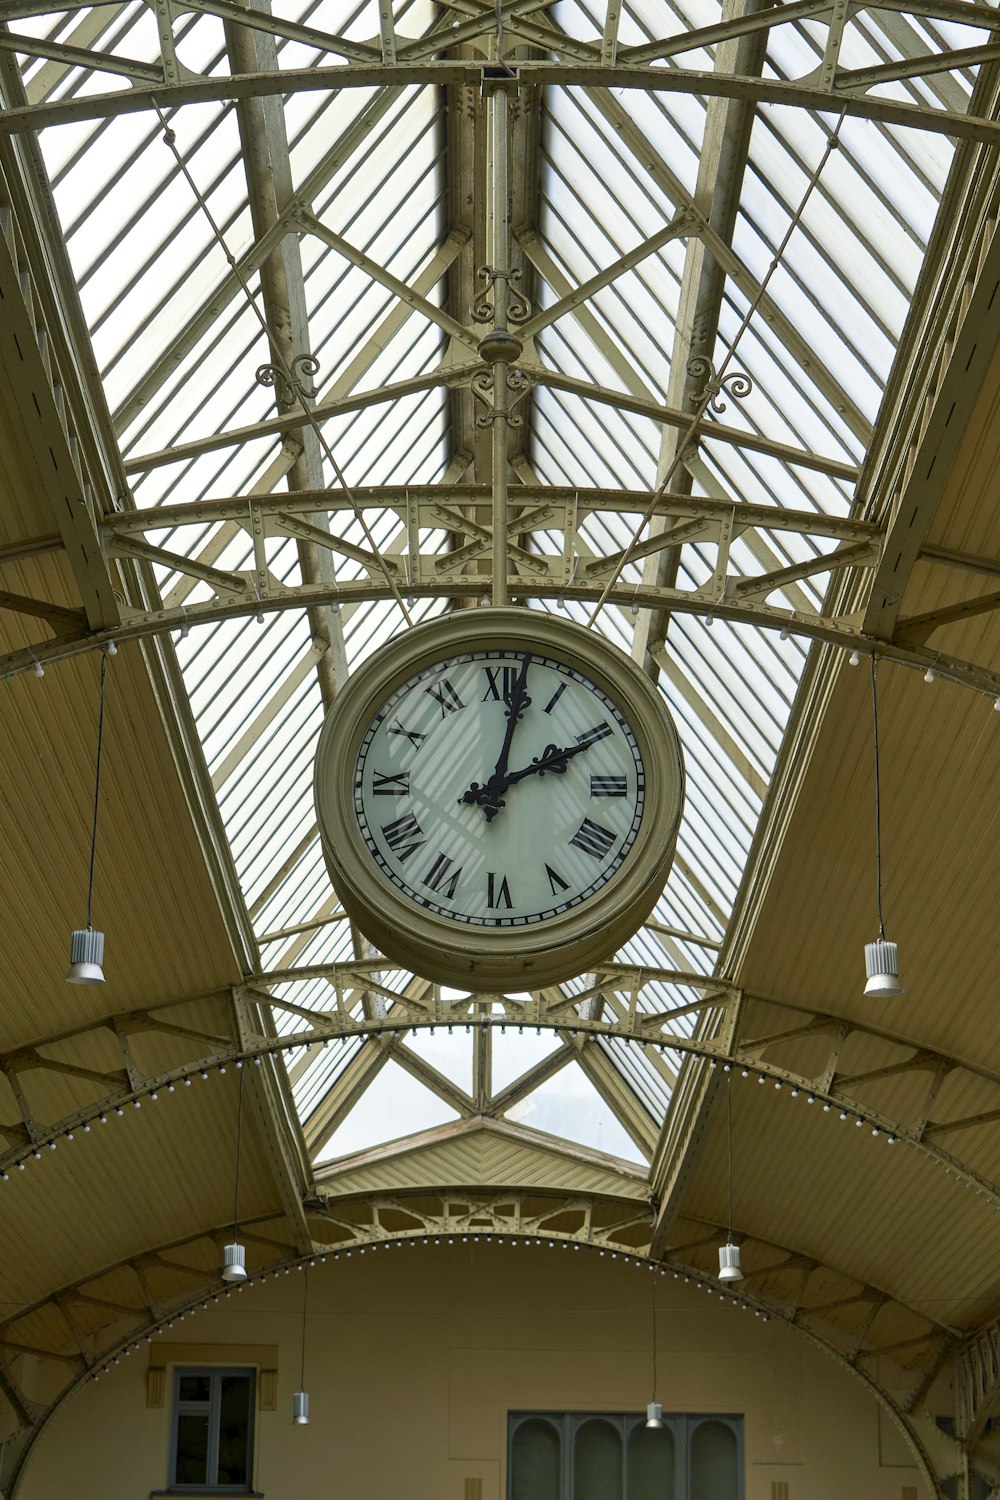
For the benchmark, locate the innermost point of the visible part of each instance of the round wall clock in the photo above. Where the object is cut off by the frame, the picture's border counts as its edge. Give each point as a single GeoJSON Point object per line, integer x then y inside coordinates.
{"type": "Point", "coordinates": [498, 794]}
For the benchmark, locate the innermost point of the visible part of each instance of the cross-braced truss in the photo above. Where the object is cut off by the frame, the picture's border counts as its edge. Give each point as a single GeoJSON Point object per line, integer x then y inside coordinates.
{"type": "Point", "coordinates": [621, 345]}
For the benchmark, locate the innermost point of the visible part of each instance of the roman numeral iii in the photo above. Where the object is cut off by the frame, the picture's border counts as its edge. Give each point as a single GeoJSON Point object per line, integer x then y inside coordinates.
{"type": "Point", "coordinates": [608, 786]}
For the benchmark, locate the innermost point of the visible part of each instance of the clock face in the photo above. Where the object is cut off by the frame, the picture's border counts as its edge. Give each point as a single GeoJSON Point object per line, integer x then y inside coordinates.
{"type": "Point", "coordinates": [499, 788]}
{"type": "Point", "coordinates": [498, 793]}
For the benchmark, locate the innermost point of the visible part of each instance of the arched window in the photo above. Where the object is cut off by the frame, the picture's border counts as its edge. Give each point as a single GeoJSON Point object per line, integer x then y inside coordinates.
{"type": "Point", "coordinates": [651, 1463]}
{"type": "Point", "coordinates": [597, 1462]}
{"type": "Point", "coordinates": [714, 1462]}
{"type": "Point", "coordinates": [534, 1461]}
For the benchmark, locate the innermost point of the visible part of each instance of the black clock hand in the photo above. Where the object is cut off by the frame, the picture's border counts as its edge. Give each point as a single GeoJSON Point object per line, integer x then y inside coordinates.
{"type": "Point", "coordinates": [553, 758]}
{"type": "Point", "coordinates": [490, 796]}
{"type": "Point", "coordinates": [516, 700]}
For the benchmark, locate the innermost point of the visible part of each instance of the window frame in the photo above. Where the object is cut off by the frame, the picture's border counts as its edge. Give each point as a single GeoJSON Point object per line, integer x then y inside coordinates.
{"type": "Point", "coordinates": [178, 1408]}
{"type": "Point", "coordinates": [683, 1425]}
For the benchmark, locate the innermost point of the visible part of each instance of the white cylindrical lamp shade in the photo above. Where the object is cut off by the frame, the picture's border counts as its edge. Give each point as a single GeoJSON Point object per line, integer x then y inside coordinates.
{"type": "Point", "coordinates": [300, 1409]}
{"type": "Point", "coordinates": [234, 1263]}
{"type": "Point", "coordinates": [86, 955]}
{"type": "Point", "coordinates": [882, 968]}
{"type": "Point", "coordinates": [729, 1263]}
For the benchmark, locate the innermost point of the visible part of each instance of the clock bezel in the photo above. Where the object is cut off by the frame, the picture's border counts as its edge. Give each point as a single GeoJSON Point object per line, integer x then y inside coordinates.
{"type": "Point", "coordinates": [455, 953]}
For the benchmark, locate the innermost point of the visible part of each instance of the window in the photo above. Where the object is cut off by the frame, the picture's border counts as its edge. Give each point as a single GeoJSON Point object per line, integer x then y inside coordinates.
{"type": "Point", "coordinates": [211, 1435]}
{"type": "Point", "coordinates": [593, 1456]}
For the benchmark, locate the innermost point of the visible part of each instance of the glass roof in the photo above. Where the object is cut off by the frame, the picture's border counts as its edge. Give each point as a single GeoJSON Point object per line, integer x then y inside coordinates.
{"type": "Point", "coordinates": [802, 276]}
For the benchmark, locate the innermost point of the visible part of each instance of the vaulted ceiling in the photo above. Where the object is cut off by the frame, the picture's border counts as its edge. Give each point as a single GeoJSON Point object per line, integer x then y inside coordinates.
{"type": "Point", "coordinates": [747, 256]}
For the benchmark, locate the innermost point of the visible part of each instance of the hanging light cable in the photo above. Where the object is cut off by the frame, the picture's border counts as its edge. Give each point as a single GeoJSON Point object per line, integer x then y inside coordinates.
{"type": "Point", "coordinates": [86, 949]}
{"type": "Point", "coordinates": [234, 1255]}
{"type": "Point", "coordinates": [654, 1411]}
{"type": "Point", "coordinates": [729, 1254]}
{"type": "Point", "coordinates": [300, 1400]}
{"type": "Point", "coordinates": [881, 957]}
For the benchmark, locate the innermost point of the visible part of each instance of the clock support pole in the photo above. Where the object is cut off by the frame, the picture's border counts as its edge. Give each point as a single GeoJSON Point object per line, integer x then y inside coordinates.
{"type": "Point", "coordinates": [499, 306]}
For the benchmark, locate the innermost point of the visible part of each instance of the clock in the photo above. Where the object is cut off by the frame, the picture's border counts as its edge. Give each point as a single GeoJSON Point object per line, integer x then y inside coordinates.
{"type": "Point", "coordinates": [498, 793]}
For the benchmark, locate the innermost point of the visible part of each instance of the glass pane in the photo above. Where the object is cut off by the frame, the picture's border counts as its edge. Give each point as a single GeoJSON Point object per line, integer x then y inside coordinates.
{"type": "Point", "coordinates": [534, 1462]}
{"type": "Point", "coordinates": [650, 1464]}
{"type": "Point", "coordinates": [194, 1388]}
{"type": "Point", "coordinates": [597, 1462]}
{"type": "Point", "coordinates": [192, 1448]}
{"type": "Point", "coordinates": [234, 1430]}
{"type": "Point", "coordinates": [714, 1472]}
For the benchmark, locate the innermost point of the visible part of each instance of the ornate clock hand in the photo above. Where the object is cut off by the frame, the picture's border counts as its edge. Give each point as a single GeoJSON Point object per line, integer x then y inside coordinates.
{"type": "Point", "coordinates": [490, 796]}
{"type": "Point", "coordinates": [553, 758]}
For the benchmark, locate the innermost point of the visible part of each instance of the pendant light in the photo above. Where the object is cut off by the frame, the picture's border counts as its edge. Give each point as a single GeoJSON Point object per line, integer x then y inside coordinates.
{"type": "Point", "coordinates": [86, 948]}
{"type": "Point", "coordinates": [654, 1411]}
{"type": "Point", "coordinates": [234, 1255]}
{"type": "Point", "coordinates": [729, 1254]}
{"type": "Point", "coordinates": [300, 1400]}
{"type": "Point", "coordinates": [881, 957]}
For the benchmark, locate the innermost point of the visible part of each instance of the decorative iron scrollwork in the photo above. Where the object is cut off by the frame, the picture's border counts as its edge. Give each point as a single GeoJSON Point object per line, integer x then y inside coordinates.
{"type": "Point", "coordinates": [291, 386]}
{"type": "Point", "coordinates": [518, 306]}
{"type": "Point", "coordinates": [737, 385]}
{"type": "Point", "coordinates": [482, 385]}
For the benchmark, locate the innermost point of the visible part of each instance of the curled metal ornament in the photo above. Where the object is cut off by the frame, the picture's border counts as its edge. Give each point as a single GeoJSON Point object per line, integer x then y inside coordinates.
{"type": "Point", "coordinates": [483, 386]}
{"type": "Point", "coordinates": [292, 385]}
{"type": "Point", "coordinates": [518, 306]}
{"type": "Point", "coordinates": [738, 385]}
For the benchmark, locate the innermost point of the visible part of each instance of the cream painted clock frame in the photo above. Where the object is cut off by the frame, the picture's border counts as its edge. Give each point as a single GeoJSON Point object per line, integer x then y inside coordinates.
{"type": "Point", "coordinates": [498, 794]}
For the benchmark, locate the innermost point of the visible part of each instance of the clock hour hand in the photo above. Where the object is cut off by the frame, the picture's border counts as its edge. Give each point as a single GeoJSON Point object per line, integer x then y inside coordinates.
{"type": "Point", "coordinates": [490, 796]}
{"type": "Point", "coordinates": [554, 758]}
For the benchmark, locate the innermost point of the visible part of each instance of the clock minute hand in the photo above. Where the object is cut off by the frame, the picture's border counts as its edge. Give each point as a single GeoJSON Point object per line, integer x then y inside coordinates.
{"type": "Point", "coordinates": [516, 701]}
{"type": "Point", "coordinates": [490, 796]}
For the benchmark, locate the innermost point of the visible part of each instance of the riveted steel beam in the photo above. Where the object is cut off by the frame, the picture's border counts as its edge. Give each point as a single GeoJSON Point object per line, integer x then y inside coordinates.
{"type": "Point", "coordinates": [561, 72]}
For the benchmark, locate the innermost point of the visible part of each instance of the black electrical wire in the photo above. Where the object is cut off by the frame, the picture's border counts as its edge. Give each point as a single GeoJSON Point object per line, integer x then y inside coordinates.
{"type": "Point", "coordinates": [878, 806]}
{"type": "Point", "coordinates": [729, 1112]}
{"type": "Point", "coordinates": [97, 789]}
{"type": "Point", "coordinates": [239, 1138]}
{"type": "Point", "coordinates": [305, 1301]}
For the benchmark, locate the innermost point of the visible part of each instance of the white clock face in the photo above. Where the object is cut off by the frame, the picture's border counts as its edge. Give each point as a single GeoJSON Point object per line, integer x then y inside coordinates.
{"type": "Point", "coordinates": [499, 788]}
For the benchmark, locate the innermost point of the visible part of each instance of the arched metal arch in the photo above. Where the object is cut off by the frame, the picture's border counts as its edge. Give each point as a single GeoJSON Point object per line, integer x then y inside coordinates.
{"type": "Point", "coordinates": [829, 630]}
{"type": "Point", "coordinates": [214, 1052]}
{"type": "Point", "coordinates": [563, 72]}
{"type": "Point", "coordinates": [498, 1221]}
